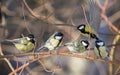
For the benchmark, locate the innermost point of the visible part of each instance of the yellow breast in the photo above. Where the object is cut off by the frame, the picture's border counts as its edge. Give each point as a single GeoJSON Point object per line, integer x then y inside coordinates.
{"type": "Point", "coordinates": [52, 44]}
{"type": "Point", "coordinates": [25, 48]}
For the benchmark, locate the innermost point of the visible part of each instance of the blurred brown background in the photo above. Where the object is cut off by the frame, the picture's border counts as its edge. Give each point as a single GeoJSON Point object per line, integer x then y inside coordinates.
{"type": "Point", "coordinates": [48, 16]}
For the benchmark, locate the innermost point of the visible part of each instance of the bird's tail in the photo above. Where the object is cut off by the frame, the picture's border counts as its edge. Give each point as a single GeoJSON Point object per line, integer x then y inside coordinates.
{"type": "Point", "coordinates": [13, 41]}
{"type": "Point", "coordinates": [67, 44]}
{"type": "Point", "coordinates": [40, 49]}
{"type": "Point", "coordinates": [8, 40]}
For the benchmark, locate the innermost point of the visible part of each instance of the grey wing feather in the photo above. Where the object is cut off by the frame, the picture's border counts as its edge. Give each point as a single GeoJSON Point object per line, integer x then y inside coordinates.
{"type": "Point", "coordinates": [68, 44]}
{"type": "Point", "coordinates": [40, 49]}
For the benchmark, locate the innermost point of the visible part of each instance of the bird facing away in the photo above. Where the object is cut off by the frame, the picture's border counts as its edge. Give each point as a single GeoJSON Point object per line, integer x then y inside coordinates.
{"type": "Point", "coordinates": [25, 44]}
{"type": "Point", "coordinates": [87, 31]}
{"type": "Point", "coordinates": [77, 46]}
{"type": "Point", "coordinates": [53, 42]}
{"type": "Point", "coordinates": [101, 50]}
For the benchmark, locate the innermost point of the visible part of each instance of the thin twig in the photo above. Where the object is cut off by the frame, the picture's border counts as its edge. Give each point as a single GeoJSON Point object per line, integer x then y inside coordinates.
{"type": "Point", "coordinates": [109, 23]}
{"type": "Point", "coordinates": [6, 60]}
{"type": "Point", "coordinates": [74, 55]}
{"type": "Point", "coordinates": [32, 13]}
{"type": "Point", "coordinates": [16, 62]}
{"type": "Point", "coordinates": [103, 15]}
{"type": "Point", "coordinates": [44, 67]}
{"type": "Point", "coordinates": [27, 64]}
{"type": "Point", "coordinates": [117, 71]}
{"type": "Point", "coordinates": [23, 12]}
{"type": "Point", "coordinates": [85, 15]}
{"type": "Point", "coordinates": [42, 53]}
{"type": "Point", "coordinates": [22, 69]}
{"type": "Point", "coordinates": [53, 72]}
{"type": "Point", "coordinates": [70, 17]}
{"type": "Point", "coordinates": [43, 18]}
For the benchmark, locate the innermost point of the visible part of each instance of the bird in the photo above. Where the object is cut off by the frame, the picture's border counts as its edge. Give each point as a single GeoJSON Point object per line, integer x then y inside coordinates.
{"type": "Point", "coordinates": [53, 42]}
{"type": "Point", "coordinates": [87, 31]}
{"type": "Point", "coordinates": [100, 49]}
{"type": "Point", "coordinates": [24, 44]}
{"type": "Point", "coordinates": [77, 46]}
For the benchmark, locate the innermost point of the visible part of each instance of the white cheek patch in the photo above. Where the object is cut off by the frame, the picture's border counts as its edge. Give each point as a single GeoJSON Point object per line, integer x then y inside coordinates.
{"type": "Point", "coordinates": [81, 27]}
{"type": "Point", "coordinates": [100, 43]}
{"type": "Point", "coordinates": [58, 37]}
{"type": "Point", "coordinates": [28, 38]}
{"type": "Point", "coordinates": [84, 44]}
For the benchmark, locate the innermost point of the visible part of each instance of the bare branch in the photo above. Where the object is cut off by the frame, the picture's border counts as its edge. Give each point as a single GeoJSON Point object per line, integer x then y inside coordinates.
{"type": "Point", "coordinates": [27, 64]}
{"type": "Point", "coordinates": [103, 15]}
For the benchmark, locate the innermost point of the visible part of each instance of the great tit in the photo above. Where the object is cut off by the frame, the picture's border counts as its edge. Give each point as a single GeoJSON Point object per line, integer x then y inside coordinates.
{"type": "Point", "coordinates": [101, 50]}
{"type": "Point", "coordinates": [77, 46]}
{"type": "Point", "coordinates": [87, 31]}
{"type": "Point", "coordinates": [53, 42]}
{"type": "Point", "coordinates": [25, 44]}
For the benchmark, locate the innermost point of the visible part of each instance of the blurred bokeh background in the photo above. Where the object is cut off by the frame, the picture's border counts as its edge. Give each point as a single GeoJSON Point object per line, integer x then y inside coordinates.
{"type": "Point", "coordinates": [43, 17]}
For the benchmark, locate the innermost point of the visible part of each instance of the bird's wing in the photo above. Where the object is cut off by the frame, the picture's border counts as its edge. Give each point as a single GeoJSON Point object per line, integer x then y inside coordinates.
{"type": "Point", "coordinates": [68, 44]}
{"type": "Point", "coordinates": [90, 29]}
{"type": "Point", "coordinates": [24, 41]}
{"type": "Point", "coordinates": [52, 44]}
{"type": "Point", "coordinates": [103, 52]}
{"type": "Point", "coordinates": [18, 41]}
{"type": "Point", "coordinates": [40, 49]}
{"type": "Point", "coordinates": [96, 52]}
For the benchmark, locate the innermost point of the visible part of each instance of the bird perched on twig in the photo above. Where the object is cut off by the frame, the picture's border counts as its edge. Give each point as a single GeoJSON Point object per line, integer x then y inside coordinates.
{"type": "Point", "coordinates": [53, 42]}
{"type": "Point", "coordinates": [25, 44]}
{"type": "Point", "coordinates": [87, 31]}
{"type": "Point", "coordinates": [100, 49]}
{"type": "Point", "coordinates": [77, 46]}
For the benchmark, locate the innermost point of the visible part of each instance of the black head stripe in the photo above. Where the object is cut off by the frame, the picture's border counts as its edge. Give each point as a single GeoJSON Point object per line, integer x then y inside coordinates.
{"type": "Point", "coordinates": [85, 41]}
{"type": "Point", "coordinates": [98, 41]}
{"type": "Point", "coordinates": [58, 34]}
{"type": "Point", "coordinates": [97, 46]}
{"type": "Point", "coordinates": [31, 36]}
{"type": "Point", "coordinates": [94, 36]}
{"type": "Point", "coordinates": [33, 41]}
